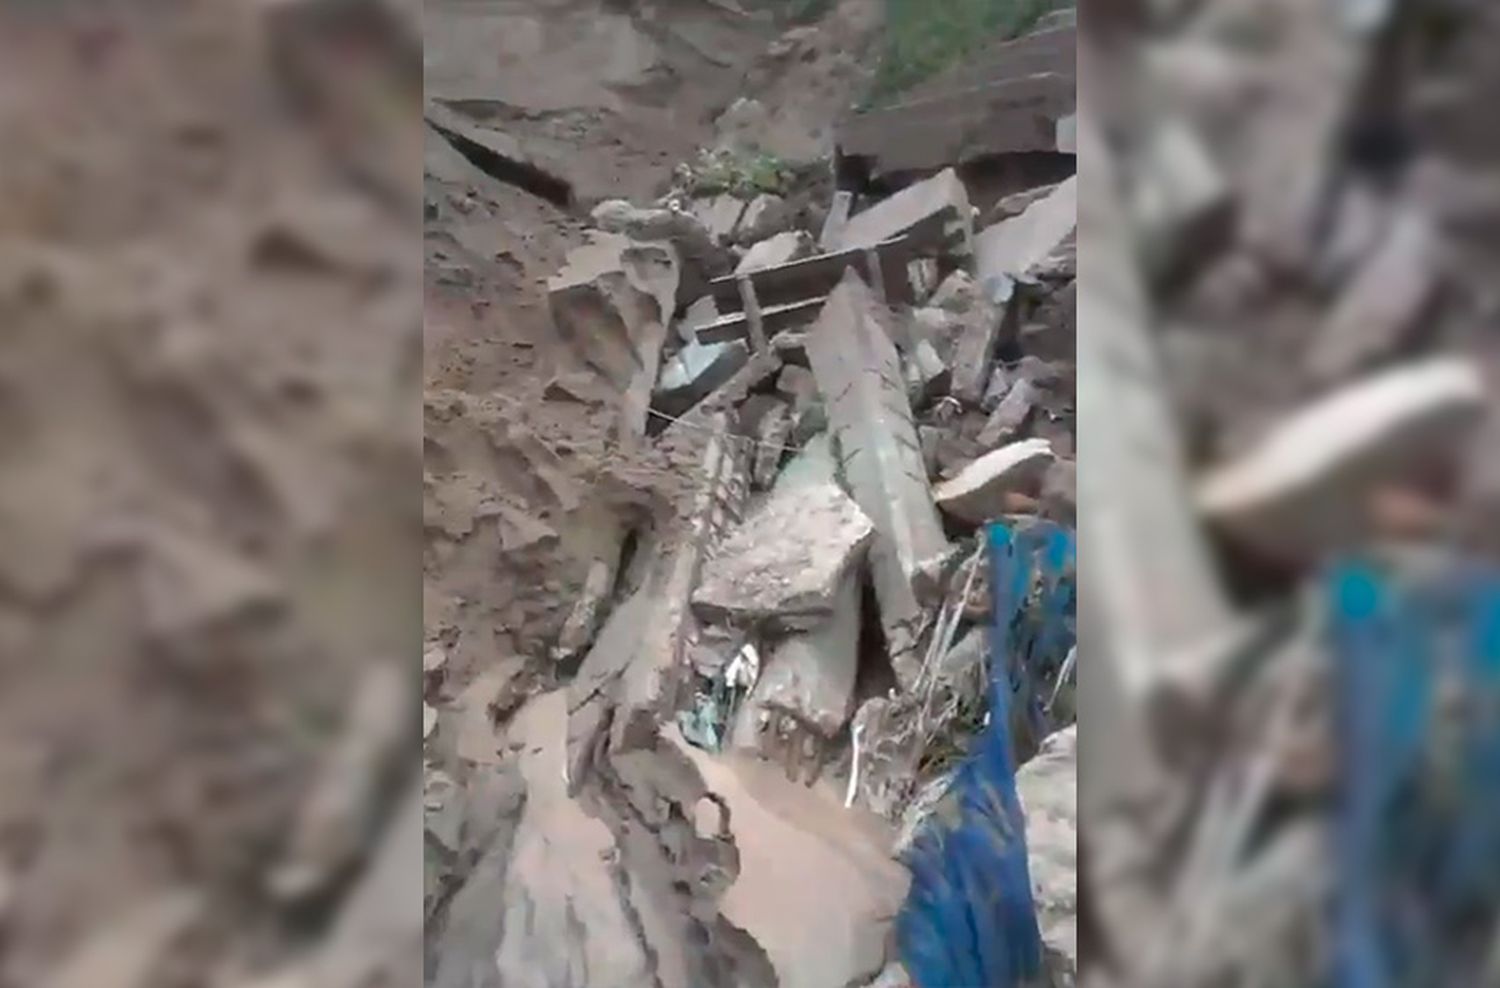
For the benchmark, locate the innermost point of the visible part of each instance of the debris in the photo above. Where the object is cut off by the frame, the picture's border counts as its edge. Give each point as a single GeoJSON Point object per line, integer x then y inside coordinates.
{"type": "Point", "coordinates": [612, 302]}
{"type": "Point", "coordinates": [859, 373]}
{"type": "Point", "coordinates": [1305, 489]}
{"type": "Point", "coordinates": [695, 372]}
{"type": "Point", "coordinates": [775, 430]}
{"type": "Point", "coordinates": [977, 494]}
{"type": "Point", "coordinates": [765, 216]}
{"type": "Point", "coordinates": [583, 620]}
{"type": "Point", "coordinates": [1382, 302]}
{"type": "Point", "coordinates": [1134, 515]}
{"type": "Point", "coordinates": [927, 377]}
{"type": "Point", "coordinates": [335, 824]}
{"type": "Point", "coordinates": [956, 294]}
{"type": "Point", "coordinates": [719, 215]}
{"type": "Point", "coordinates": [797, 385]}
{"type": "Point", "coordinates": [1014, 247]}
{"type": "Point", "coordinates": [702, 257]}
{"type": "Point", "coordinates": [1182, 204]}
{"type": "Point", "coordinates": [1048, 789]}
{"type": "Point", "coordinates": [982, 327]}
{"type": "Point", "coordinates": [1011, 413]}
{"type": "Point", "coordinates": [791, 294]}
{"type": "Point", "coordinates": [785, 562]}
{"type": "Point", "coordinates": [932, 213]}
{"type": "Point", "coordinates": [783, 248]}
{"type": "Point", "coordinates": [837, 220]}
{"type": "Point", "coordinates": [811, 674]}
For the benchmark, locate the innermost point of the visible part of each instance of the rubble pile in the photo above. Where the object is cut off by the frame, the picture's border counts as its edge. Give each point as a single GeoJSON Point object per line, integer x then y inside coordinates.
{"type": "Point", "coordinates": [1285, 362]}
{"type": "Point", "coordinates": [843, 409]}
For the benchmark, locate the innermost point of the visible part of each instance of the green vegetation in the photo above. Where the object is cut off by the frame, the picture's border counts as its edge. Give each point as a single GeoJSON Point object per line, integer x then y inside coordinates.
{"type": "Point", "coordinates": [924, 37]}
{"type": "Point", "coordinates": [743, 175]}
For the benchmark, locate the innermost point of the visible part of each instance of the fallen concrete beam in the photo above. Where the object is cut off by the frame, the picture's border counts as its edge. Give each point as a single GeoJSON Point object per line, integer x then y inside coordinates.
{"type": "Point", "coordinates": [932, 212]}
{"type": "Point", "coordinates": [629, 681]}
{"type": "Point", "coordinates": [785, 563]}
{"type": "Point", "coordinates": [1306, 489]}
{"type": "Point", "coordinates": [859, 374]}
{"type": "Point", "coordinates": [1014, 246]}
{"type": "Point", "coordinates": [978, 493]}
{"type": "Point", "coordinates": [1008, 116]}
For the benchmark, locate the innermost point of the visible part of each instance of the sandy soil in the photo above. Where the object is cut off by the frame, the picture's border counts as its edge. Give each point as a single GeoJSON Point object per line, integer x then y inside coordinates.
{"type": "Point", "coordinates": [207, 507]}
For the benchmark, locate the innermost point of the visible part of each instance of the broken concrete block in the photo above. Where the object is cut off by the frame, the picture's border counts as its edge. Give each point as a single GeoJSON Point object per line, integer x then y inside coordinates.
{"type": "Point", "coordinates": [1060, 492]}
{"type": "Point", "coordinates": [719, 215]}
{"type": "Point", "coordinates": [611, 303]}
{"type": "Point", "coordinates": [696, 371]}
{"type": "Point", "coordinates": [809, 675]}
{"type": "Point", "coordinates": [793, 245]}
{"type": "Point", "coordinates": [702, 257]}
{"type": "Point", "coordinates": [932, 212]}
{"type": "Point", "coordinates": [1183, 205]}
{"type": "Point", "coordinates": [785, 562]}
{"type": "Point", "coordinates": [1048, 788]}
{"type": "Point", "coordinates": [1015, 246]}
{"type": "Point", "coordinates": [927, 376]}
{"type": "Point", "coordinates": [982, 328]}
{"type": "Point", "coordinates": [583, 620]}
{"type": "Point", "coordinates": [1306, 488]}
{"type": "Point", "coordinates": [978, 493]}
{"type": "Point", "coordinates": [1382, 303]}
{"type": "Point", "coordinates": [765, 216]}
{"type": "Point", "coordinates": [859, 374]}
{"type": "Point", "coordinates": [774, 436]}
{"type": "Point", "coordinates": [1011, 413]}
{"type": "Point", "coordinates": [797, 385]}
{"type": "Point", "coordinates": [956, 294]}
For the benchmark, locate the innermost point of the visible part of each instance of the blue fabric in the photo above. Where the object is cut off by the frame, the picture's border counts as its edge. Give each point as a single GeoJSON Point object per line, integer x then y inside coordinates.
{"type": "Point", "coordinates": [1418, 827]}
{"type": "Point", "coordinates": [969, 920]}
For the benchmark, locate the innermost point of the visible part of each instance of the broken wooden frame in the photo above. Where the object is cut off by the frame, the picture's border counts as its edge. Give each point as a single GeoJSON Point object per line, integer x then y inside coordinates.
{"type": "Point", "coordinates": [759, 304]}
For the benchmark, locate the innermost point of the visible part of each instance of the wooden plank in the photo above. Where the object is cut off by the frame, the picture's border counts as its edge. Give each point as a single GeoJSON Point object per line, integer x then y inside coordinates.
{"type": "Point", "coordinates": [815, 277]}
{"type": "Point", "coordinates": [775, 318]}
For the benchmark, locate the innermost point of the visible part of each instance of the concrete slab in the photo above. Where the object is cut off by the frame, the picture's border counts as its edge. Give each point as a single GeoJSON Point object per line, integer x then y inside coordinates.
{"type": "Point", "coordinates": [1014, 246]}
{"type": "Point", "coordinates": [978, 493]}
{"type": "Point", "coordinates": [1305, 490]}
{"type": "Point", "coordinates": [933, 211]}
{"type": "Point", "coordinates": [785, 563]}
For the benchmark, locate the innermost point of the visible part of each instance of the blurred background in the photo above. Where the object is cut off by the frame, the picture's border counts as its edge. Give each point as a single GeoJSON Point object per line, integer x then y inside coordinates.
{"type": "Point", "coordinates": [1288, 436]}
{"type": "Point", "coordinates": [209, 506]}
